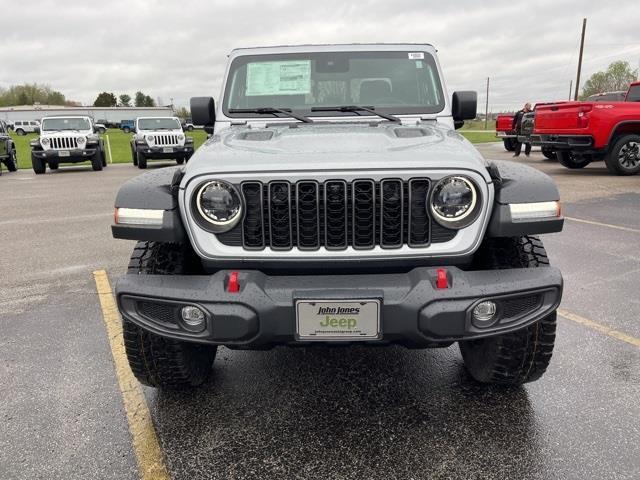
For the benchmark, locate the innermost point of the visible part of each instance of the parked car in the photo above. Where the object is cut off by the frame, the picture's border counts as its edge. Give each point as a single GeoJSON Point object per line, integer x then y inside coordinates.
{"type": "Point", "coordinates": [69, 139]}
{"type": "Point", "coordinates": [583, 132]}
{"type": "Point", "coordinates": [24, 127]}
{"type": "Point", "coordinates": [505, 131]}
{"type": "Point", "coordinates": [8, 154]}
{"type": "Point", "coordinates": [160, 138]}
{"type": "Point", "coordinates": [187, 125]}
{"type": "Point", "coordinates": [354, 215]}
{"type": "Point", "coordinates": [128, 126]}
{"type": "Point", "coordinates": [100, 127]}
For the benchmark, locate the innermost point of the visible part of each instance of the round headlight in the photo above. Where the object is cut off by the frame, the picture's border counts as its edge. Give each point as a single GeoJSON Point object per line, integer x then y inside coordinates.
{"type": "Point", "coordinates": [44, 141]}
{"type": "Point", "coordinates": [82, 139]}
{"type": "Point", "coordinates": [453, 202]}
{"type": "Point", "coordinates": [180, 137]}
{"type": "Point", "coordinates": [219, 204]}
{"type": "Point", "coordinates": [149, 138]}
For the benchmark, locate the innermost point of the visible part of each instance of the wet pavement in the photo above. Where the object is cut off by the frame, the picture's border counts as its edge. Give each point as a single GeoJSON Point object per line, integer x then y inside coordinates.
{"type": "Point", "coordinates": [340, 413]}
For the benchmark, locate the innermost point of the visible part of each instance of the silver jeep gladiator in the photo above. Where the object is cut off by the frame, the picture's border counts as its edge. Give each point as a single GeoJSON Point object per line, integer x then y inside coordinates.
{"type": "Point", "coordinates": [335, 202]}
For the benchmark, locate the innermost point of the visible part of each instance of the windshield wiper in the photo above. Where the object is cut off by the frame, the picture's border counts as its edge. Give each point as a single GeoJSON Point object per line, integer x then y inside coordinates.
{"type": "Point", "coordinates": [285, 111]}
{"type": "Point", "coordinates": [356, 109]}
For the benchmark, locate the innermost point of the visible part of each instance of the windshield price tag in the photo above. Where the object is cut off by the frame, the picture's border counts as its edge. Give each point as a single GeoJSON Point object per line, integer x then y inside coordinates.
{"type": "Point", "coordinates": [416, 55]}
{"type": "Point", "coordinates": [279, 78]}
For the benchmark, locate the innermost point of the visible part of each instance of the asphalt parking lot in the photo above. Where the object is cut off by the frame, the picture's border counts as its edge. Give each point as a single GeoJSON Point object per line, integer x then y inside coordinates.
{"type": "Point", "coordinates": [340, 413]}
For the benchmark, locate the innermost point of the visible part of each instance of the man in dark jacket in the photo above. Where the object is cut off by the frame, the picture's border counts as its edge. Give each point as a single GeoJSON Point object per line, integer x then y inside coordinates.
{"type": "Point", "coordinates": [517, 128]}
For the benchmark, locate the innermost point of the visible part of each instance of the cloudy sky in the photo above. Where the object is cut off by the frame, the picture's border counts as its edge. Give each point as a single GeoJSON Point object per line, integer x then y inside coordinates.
{"type": "Point", "coordinates": [177, 49]}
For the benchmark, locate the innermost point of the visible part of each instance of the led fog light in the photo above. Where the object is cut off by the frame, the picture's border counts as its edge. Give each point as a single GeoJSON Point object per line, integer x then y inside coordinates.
{"type": "Point", "coordinates": [193, 317]}
{"type": "Point", "coordinates": [484, 314]}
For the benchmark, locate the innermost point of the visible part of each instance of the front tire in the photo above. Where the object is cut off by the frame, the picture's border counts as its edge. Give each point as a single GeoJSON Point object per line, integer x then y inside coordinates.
{"type": "Point", "coordinates": [549, 153]}
{"type": "Point", "coordinates": [508, 144]}
{"type": "Point", "coordinates": [517, 357]}
{"type": "Point", "coordinates": [572, 161]}
{"type": "Point", "coordinates": [12, 161]}
{"type": "Point", "coordinates": [158, 361]}
{"type": "Point", "coordinates": [20, 132]}
{"type": "Point", "coordinates": [96, 161]}
{"type": "Point", "coordinates": [142, 160]}
{"type": "Point", "coordinates": [624, 157]}
{"type": "Point", "coordinates": [180, 161]}
{"type": "Point", "coordinates": [126, 129]}
{"type": "Point", "coordinates": [39, 166]}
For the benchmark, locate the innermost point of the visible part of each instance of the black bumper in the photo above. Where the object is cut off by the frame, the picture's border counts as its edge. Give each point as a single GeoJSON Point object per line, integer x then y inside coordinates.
{"type": "Point", "coordinates": [563, 142]}
{"type": "Point", "coordinates": [414, 311]}
{"type": "Point", "coordinates": [74, 155]}
{"type": "Point", "coordinates": [159, 153]}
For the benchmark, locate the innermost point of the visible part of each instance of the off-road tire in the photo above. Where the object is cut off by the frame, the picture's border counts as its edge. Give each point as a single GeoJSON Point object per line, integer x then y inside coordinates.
{"type": "Point", "coordinates": [104, 156]}
{"type": "Point", "coordinates": [12, 161]}
{"type": "Point", "coordinates": [157, 361]}
{"type": "Point", "coordinates": [126, 130]}
{"type": "Point", "coordinates": [142, 160]}
{"type": "Point", "coordinates": [180, 161]}
{"type": "Point", "coordinates": [53, 165]}
{"type": "Point", "coordinates": [20, 132]}
{"type": "Point", "coordinates": [549, 153]}
{"type": "Point", "coordinates": [134, 156]}
{"type": "Point", "coordinates": [569, 160]}
{"type": "Point", "coordinates": [620, 164]}
{"type": "Point", "coordinates": [39, 165]}
{"type": "Point", "coordinates": [524, 355]}
{"type": "Point", "coordinates": [96, 160]}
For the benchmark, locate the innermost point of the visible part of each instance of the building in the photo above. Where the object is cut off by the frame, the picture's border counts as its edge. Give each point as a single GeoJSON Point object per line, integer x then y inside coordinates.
{"type": "Point", "coordinates": [110, 116]}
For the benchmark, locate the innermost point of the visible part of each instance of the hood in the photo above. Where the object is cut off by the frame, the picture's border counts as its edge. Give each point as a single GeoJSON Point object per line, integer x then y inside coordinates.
{"type": "Point", "coordinates": [323, 147]}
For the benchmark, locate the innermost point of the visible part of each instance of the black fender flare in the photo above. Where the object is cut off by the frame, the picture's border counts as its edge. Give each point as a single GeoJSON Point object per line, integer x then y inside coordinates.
{"type": "Point", "coordinates": [154, 190]}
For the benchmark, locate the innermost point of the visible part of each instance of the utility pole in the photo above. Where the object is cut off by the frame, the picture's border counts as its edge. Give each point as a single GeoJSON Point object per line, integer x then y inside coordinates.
{"type": "Point", "coordinates": [584, 28]}
{"type": "Point", "coordinates": [570, 88]}
{"type": "Point", "coordinates": [486, 107]}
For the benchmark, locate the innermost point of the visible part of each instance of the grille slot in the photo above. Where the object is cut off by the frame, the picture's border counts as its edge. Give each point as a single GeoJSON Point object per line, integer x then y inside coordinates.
{"type": "Point", "coordinates": [63, 143]}
{"type": "Point", "coordinates": [335, 215]}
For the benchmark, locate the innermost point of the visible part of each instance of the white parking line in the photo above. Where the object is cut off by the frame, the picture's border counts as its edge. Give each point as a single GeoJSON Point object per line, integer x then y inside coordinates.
{"type": "Point", "coordinates": [600, 224]}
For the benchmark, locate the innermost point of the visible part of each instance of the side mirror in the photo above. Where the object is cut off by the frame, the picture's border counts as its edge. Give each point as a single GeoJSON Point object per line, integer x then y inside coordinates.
{"type": "Point", "coordinates": [464, 107]}
{"type": "Point", "coordinates": [203, 112]}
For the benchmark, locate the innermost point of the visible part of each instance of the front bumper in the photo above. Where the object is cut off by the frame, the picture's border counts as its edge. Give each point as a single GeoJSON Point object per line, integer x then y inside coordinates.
{"type": "Point", "coordinates": [163, 152]}
{"type": "Point", "coordinates": [73, 156]}
{"type": "Point", "coordinates": [414, 311]}
{"type": "Point", "coordinates": [563, 142]}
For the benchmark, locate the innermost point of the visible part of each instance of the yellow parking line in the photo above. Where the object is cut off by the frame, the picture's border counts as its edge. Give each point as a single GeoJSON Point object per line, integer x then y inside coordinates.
{"type": "Point", "coordinates": [598, 327]}
{"type": "Point", "coordinates": [600, 224]}
{"type": "Point", "coordinates": [145, 441]}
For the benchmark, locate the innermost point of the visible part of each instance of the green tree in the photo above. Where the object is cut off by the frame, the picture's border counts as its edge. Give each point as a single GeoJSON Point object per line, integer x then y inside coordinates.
{"type": "Point", "coordinates": [29, 94]}
{"type": "Point", "coordinates": [125, 100]}
{"type": "Point", "coordinates": [618, 76]}
{"type": "Point", "coordinates": [105, 99]}
{"type": "Point", "coordinates": [149, 102]}
{"type": "Point", "coordinates": [183, 113]}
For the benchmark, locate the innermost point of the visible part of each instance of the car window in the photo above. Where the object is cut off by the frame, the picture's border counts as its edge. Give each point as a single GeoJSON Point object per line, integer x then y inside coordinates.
{"type": "Point", "coordinates": [634, 94]}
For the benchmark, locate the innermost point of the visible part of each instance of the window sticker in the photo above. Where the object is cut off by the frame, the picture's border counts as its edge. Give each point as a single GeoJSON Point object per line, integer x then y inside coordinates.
{"type": "Point", "coordinates": [418, 63]}
{"type": "Point", "coordinates": [416, 55]}
{"type": "Point", "coordinates": [291, 77]}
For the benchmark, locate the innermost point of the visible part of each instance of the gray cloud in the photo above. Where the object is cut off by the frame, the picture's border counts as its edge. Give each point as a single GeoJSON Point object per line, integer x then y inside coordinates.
{"type": "Point", "coordinates": [173, 49]}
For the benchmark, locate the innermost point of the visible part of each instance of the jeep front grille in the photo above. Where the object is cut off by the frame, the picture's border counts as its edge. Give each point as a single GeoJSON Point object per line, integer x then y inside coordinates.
{"type": "Point", "coordinates": [336, 214]}
{"type": "Point", "coordinates": [166, 139]}
{"type": "Point", "coordinates": [63, 143]}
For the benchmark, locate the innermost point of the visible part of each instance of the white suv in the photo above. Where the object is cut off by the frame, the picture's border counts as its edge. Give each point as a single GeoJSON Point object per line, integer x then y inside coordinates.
{"type": "Point", "coordinates": [157, 138]}
{"type": "Point", "coordinates": [67, 140]}
{"type": "Point", "coordinates": [22, 128]}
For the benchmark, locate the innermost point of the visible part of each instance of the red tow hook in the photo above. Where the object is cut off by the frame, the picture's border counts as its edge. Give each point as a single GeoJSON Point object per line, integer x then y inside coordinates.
{"type": "Point", "coordinates": [442, 281]}
{"type": "Point", "coordinates": [234, 285]}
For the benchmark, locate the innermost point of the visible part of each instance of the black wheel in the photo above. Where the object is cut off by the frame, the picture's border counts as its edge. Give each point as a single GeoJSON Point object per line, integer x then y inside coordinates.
{"type": "Point", "coordinates": [157, 361]}
{"type": "Point", "coordinates": [134, 157]}
{"type": "Point", "coordinates": [20, 132]}
{"type": "Point", "coordinates": [104, 156]}
{"type": "Point", "coordinates": [12, 161]}
{"type": "Point", "coordinates": [624, 157]}
{"type": "Point", "coordinates": [572, 161]}
{"type": "Point", "coordinates": [190, 128]}
{"type": "Point", "coordinates": [53, 165]}
{"type": "Point", "coordinates": [180, 161]}
{"type": "Point", "coordinates": [126, 129]}
{"type": "Point", "coordinates": [142, 160]}
{"type": "Point", "coordinates": [549, 153]}
{"type": "Point", "coordinates": [508, 144]}
{"type": "Point", "coordinates": [524, 355]}
{"type": "Point", "coordinates": [39, 166]}
{"type": "Point", "coordinates": [96, 161]}
{"type": "Point", "coordinates": [102, 130]}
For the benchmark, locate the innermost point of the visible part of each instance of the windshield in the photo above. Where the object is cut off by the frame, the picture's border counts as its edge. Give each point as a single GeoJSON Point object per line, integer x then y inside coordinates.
{"type": "Point", "coordinates": [391, 82]}
{"type": "Point", "coordinates": [49, 124]}
{"type": "Point", "coordinates": [634, 94]}
{"type": "Point", "coordinates": [158, 124]}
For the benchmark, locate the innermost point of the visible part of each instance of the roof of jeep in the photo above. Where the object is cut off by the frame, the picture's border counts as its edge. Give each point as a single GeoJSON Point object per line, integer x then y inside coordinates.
{"type": "Point", "coordinates": [332, 46]}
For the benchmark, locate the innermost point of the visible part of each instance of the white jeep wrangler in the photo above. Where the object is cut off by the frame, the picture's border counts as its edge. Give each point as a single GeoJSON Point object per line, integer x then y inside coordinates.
{"type": "Point", "coordinates": [158, 138]}
{"type": "Point", "coordinates": [67, 140]}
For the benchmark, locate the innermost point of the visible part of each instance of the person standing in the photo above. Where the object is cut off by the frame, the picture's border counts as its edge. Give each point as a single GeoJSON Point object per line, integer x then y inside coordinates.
{"type": "Point", "coordinates": [517, 128]}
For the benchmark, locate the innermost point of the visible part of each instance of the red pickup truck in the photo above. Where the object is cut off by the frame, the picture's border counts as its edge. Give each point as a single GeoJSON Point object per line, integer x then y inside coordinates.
{"type": "Point", "coordinates": [505, 132]}
{"type": "Point", "coordinates": [583, 132]}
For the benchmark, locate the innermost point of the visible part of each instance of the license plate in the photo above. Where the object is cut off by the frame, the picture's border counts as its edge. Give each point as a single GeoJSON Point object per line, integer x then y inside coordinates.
{"type": "Point", "coordinates": [345, 320]}
{"type": "Point", "coordinates": [167, 150]}
{"type": "Point", "coordinates": [64, 153]}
